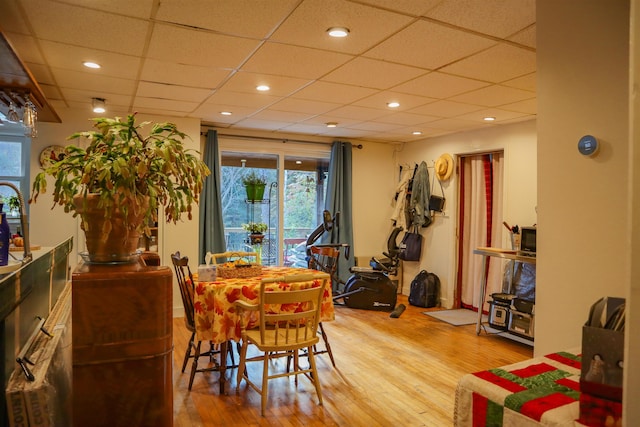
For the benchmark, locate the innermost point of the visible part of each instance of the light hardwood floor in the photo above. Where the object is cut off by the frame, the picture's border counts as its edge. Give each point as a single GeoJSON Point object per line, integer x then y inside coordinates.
{"type": "Point", "coordinates": [390, 372]}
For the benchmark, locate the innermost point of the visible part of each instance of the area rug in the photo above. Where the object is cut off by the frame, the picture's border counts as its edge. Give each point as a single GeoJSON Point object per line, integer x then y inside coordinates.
{"type": "Point", "coordinates": [456, 317]}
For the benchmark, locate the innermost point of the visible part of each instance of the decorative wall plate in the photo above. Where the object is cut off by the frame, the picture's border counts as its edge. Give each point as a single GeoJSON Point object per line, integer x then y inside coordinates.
{"type": "Point", "coordinates": [50, 155]}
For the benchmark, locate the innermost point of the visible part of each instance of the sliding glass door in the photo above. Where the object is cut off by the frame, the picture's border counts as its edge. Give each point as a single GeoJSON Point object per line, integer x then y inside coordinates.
{"type": "Point", "coordinates": [290, 208]}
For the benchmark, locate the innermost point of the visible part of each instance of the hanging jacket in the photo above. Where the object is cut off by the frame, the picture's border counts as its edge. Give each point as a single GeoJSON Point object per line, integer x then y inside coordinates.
{"type": "Point", "coordinates": [399, 202]}
{"type": "Point", "coordinates": [420, 194]}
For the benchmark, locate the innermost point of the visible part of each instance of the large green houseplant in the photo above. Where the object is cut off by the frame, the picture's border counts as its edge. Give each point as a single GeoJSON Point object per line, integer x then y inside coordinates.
{"type": "Point", "coordinates": [254, 185]}
{"type": "Point", "coordinates": [119, 180]}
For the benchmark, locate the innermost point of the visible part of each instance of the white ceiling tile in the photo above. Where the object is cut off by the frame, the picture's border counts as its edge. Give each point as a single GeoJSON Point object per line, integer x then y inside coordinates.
{"type": "Point", "coordinates": [499, 18]}
{"type": "Point", "coordinates": [407, 119]}
{"type": "Point", "coordinates": [94, 29]}
{"type": "Point", "coordinates": [526, 37]}
{"type": "Point", "coordinates": [358, 113]}
{"type": "Point", "coordinates": [136, 9]}
{"type": "Point", "coordinates": [323, 119]}
{"type": "Point", "coordinates": [499, 114]}
{"type": "Point", "coordinates": [445, 109]}
{"type": "Point", "coordinates": [305, 128]}
{"type": "Point", "coordinates": [333, 92]}
{"type": "Point", "coordinates": [211, 113]}
{"type": "Point", "coordinates": [439, 85]}
{"type": "Point", "coordinates": [252, 123]}
{"type": "Point", "coordinates": [497, 64]}
{"type": "Point", "coordinates": [245, 18]}
{"type": "Point", "coordinates": [258, 100]}
{"type": "Point", "coordinates": [92, 82]}
{"type": "Point", "coordinates": [26, 46]}
{"type": "Point", "coordinates": [410, 7]}
{"type": "Point", "coordinates": [527, 82]}
{"type": "Point", "coordinates": [375, 126]}
{"type": "Point", "coordinates": [42, 74]}
{"type": "Point", "coordinates": [308, 24]}
{"type": "Point", "coordinates": [372, 73]}
{"type": "Point", "coordinates": [445, 45]}
{"type": "Point", "coordinates": [453, 123]}
{"type": "Point", "coordinates": [528, 106]}
{"type": "Point", "coordinates": [182, 74]}
{"type": "Point", "coordinates": [305, 106]}
{"type": "Point", "coordinates": [280, 86]}
{"type": "Point", "coordinates": [288, 116]}
{"type": "Point", "coordinates": [169, 91]}
{"type": "Point", "coordinates": [495, 95]}
{"type": "Point", "coordinates": [184, 46]}
{"type": "Point", "coordinates": [380, 100]}
{"type": "Point", "coordinates": [294, 61]}
{"type": "Point", "coordinates": [140, 103]}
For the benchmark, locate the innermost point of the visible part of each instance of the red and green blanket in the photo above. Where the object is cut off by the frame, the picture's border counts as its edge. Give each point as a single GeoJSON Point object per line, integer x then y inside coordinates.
{"type": "Point", "coordinates": [538, 391]}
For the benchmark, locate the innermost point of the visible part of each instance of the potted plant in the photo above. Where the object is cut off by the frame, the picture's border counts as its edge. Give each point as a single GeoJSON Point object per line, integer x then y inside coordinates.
{"type": "Point", "coordinates": [117, 183]}
{"type": "Point", "coordinates": [254, 185]}
{"type": "Point", "coordinates": [256, 230]}
{"type": "Point", "coordinates": [14, 205]}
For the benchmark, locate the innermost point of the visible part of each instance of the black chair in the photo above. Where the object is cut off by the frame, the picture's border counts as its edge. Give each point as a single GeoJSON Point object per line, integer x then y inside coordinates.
{"type": "Point", "coordinates": [186, 283]}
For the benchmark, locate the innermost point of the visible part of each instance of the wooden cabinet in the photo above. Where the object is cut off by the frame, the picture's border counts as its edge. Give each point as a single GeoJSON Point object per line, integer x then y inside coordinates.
{"type": "Point", "coordinates": [122, 345]}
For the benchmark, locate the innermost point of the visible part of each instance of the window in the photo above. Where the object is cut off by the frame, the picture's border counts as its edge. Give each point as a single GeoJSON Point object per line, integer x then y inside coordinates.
{"type": "Point", "coordinates": [14, 164]}
{"type": "Point", "coordinates": [291, 207]}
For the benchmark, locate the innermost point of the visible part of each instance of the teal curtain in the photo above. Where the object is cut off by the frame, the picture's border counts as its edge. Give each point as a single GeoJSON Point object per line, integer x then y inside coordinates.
{"type": "Point", "coordinates": [211, 228]}
{"type": "Point", "coordinates": [339, 192]}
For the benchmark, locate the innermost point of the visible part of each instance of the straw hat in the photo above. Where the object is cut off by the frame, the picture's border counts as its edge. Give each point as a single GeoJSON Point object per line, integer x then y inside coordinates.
{"type": "Point", "coordinates": [444, 167]}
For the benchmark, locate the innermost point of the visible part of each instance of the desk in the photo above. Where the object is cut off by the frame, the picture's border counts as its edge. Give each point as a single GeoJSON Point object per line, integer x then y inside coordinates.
{"type": "Point", "coordinates": [499, 253]}
{"type": "Point", "coordinates": [217, 319]}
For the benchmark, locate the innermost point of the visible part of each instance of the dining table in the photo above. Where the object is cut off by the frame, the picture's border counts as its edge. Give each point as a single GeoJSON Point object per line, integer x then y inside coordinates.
{"type": "Point", "coordinates": [218, 320]}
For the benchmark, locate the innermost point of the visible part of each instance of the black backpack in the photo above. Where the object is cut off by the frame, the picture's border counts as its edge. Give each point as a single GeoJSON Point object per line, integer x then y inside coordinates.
{"type": "Point", "coordinates": [425, 290]}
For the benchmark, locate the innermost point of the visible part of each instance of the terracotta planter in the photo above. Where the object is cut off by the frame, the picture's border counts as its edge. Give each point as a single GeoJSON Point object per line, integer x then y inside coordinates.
{"type": "Point", "coordinates": [118, 245]}
{"type": "Point", "coordinates": [256, 238]}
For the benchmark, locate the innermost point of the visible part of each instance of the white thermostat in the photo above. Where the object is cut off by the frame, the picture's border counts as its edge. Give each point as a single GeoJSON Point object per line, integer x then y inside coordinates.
{"type": "Point", "coordinates": [588, 145]}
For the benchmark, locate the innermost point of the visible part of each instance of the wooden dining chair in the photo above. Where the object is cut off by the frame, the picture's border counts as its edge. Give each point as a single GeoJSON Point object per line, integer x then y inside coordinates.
{"type": "Point", "coordinates": [325, 258]}
{"type": "Point", "coordinates": [223, 257]}
{"type": "Point", "coordinates": [193, 351]}
{"type": "Point", "coordinates": [283, 333]}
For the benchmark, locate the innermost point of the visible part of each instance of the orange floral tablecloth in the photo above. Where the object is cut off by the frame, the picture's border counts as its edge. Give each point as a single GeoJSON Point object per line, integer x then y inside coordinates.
{"type": "Point", "coordinates": [216, 317]}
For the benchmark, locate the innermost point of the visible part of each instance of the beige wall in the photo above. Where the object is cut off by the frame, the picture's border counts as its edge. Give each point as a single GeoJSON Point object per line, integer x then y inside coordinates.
{"type": "Point", "coordinates": [518, 141]}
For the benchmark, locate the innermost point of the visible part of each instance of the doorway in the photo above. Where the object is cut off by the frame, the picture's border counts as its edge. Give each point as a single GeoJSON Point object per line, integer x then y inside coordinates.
{"type": "Point", "coordinates": [480, 195]}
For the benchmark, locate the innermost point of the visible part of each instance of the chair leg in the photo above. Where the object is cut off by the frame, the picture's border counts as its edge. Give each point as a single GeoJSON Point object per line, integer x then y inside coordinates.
{"type": "Point", "coordinates": [194, 366]}
{"type": "Point", "coordinates": [326, 343]}
{"type": "Point", "coordinates": [314, 375]}
{"type": "Point", "coordinates": [187, 353]}
{"type": "Point", "coordinates": [265, 382]}
{"type": "Point", "coordinates": [241, 365]}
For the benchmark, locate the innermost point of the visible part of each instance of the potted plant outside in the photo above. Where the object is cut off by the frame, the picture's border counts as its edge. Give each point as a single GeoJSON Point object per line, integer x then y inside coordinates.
{"type": "Point", "coordinates": [117, 183]}
{"type": "Point", "coordinates": [256, 230]}
{"type": "Point", "coordinates": [14, 205]}
{"type": "Point", "coordinates": [254, 185]}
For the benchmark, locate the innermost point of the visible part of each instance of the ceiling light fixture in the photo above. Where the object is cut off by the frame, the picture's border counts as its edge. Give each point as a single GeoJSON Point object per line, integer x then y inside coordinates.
{"type": "Point", "coordinates": [263, 88]}
{"type": "Point", "coordinates": [90, 64]}
{"type": "Point", "coordinates": [298, 162]}
{"type": "Point", "coordinates": [393, 104]}
{"type": "Point", "coordinates": [417, 132]}
{"type": "Point", "coordinates": [489, 119]}
{"type": "Point", "coordinates": [332, 124]}
{"type": "Point", "coordinates": [338, 32]}
{"type": "Point", "coordinates": [98, 105]}
{"type": "Point", "coordinates": [225, 113]}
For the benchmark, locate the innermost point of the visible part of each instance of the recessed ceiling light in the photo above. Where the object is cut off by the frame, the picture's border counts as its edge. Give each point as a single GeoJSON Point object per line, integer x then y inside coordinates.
{"type": "Point", "coordinates": [417, 132]}
{"type": "Point", "coordinates": [338, 31]}
{"type": "Point", "coordinates": [263, 88]}
{"type": "Point", "coordinates": [90, 64]}
{"type": "Point", "coordinates": [298, 162]}
{"type": "Point", "coordinates": [489, 119]}
{"type": "Point", "coordinates": [225, 113]}
{"type": "Point", "coordinates": [332, 124]}
{"type": "Point", "coordinates": [393, 104]}
{"type": "Point", "coordinates": [98, 105]}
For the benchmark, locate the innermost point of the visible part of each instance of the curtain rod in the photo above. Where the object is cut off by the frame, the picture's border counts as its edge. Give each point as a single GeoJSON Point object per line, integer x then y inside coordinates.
{"type": "Point", "coordinates": [272, 138]}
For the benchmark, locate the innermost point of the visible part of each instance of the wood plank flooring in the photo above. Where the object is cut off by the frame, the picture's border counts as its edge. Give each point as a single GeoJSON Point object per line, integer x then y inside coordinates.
{"type": "Point", "coordinates": [390, 372]}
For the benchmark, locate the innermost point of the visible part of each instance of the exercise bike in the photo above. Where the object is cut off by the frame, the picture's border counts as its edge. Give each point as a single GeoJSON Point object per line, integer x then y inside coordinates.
{"type": "Point", "coordinates": [370, 288]}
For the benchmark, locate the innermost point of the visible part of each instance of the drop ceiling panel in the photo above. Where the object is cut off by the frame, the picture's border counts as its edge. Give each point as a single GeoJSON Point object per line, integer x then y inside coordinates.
{"type": "Point", "coordinates": [294, 61]}
{"type": "Point", "coordinates": [169, 91]}
{"type": "Point", "coordinates": [446, 108]}
{"type": "Point", "coordinates": [304, 105]}
{"type": "Point", "coordinates": [368, 26]}
{"type": "Point", "coordinates": [67, 79]}
{"type": "Point", "coordinates": [382, 98]}
{"type": "Point", "coordinates": [184, 46]}
{"type": "Point", "coordinates": [280, 86]}
{"type": "Point", "coordinates": [410, 7]}
{"type": "Point", "coordinates": [245, 18]}
{"type": "Point", "coordinates": [492, 96]}
{"type": "Point", "coordinates": [240, 99]}
{"type": "Point", "coordinates": [333, 92]}
{"type": "Point", "coordinates": [287, 116]}
{"type": "Point", "coordinates": [28, 44]}
{"type": "Point", "coordinates": [85, 98]}
{"type": "Point", "coordinates": [407, 119]}
{"type": "Point", "coordinates": [439, 85]}
{"type": "Point", "coordinates": [373, 73]}
{"type": "Point", "coordinates": [137, 9]}
{"type": "Point", "coordinates": [168, 105]}
{"type": "Point", "coordinates": [445, 45]}
{"type": "Point", "coordinates": [361, 113]}
{"type": "Point", "coordinates": [157, 71]}
{"type": "Point", "coordinates": [526, 37]}
{"type": "Point", "coordinates": [497, 64]}
{"type": "Point", "coordinates": [94, 29]}
{"type": "Point", "coordinates": [499, 18]}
